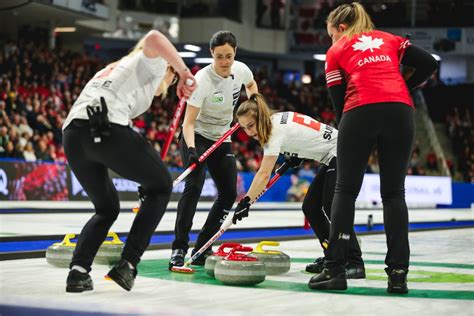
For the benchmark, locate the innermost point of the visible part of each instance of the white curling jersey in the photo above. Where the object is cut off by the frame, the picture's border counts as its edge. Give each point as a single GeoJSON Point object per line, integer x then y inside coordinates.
{"type": "Point", "coordinates": [128, 88]}
{"type": "Point", "coordinates": [216, 97]}
{"type": "Point", "coordinates": [301, 136]}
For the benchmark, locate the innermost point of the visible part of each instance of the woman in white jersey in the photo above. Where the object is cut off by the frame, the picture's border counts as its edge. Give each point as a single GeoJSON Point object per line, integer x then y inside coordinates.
{"type": "Point", "coordinates": [209, 115]}
{"type": "Point", "coordinates": [300, 137]}
{"type": "Point", "coordinates": [97, 137]}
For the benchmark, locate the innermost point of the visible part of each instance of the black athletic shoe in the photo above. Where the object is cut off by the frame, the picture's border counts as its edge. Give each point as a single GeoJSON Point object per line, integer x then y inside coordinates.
{"type": "Point", "coordinates": [317, 266]}
{"type": "Point", "coordinates": [123, 275]}
{"type": "Point", "coordinates": [397, 281]}
{"type": "Point", "coordinates": [201, 260]}
{"type": "Point", "coordinates": [177, 258]}
{"type": "Point", "coordinates": [355, 271]}
{"type": "Point", "coordinates": [328, 280]}
{"type": "Point", "coordinates": [78, 282]}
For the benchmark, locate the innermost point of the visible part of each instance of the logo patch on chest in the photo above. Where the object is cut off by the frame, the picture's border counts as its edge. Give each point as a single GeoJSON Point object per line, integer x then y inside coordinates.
{"type": "Point", "coordinates": [217, 98]}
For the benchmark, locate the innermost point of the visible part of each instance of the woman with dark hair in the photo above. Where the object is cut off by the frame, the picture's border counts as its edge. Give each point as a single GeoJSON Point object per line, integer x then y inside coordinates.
{"type": "Point", "coordinates": [209, 114]}
{"type": "Point", "coordinates": [299, 137]}
{"type": "Point", "coordinates": [97, 137]}
{"type": "Point", "coordinates": [374, 108]}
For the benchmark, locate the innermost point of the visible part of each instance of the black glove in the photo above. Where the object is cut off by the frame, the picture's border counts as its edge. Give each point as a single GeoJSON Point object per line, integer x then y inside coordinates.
{"type": "Point", "coordinates": [193, 157]}
{"type": "Point", "coordinates": [98, 120]}
{"type": "Point", "coordinates": [242, 210]}
{"type": "Point", "coordinates": [294, 162]}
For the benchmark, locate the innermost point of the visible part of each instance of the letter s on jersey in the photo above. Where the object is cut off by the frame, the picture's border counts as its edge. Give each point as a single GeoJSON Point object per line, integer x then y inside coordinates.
{"type": "Point", "coordinates": [328, 132]}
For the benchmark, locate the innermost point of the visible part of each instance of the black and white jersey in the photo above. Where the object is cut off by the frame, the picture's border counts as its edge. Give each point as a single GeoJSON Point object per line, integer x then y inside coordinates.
{"type": "Point", "coordinates": [128, 88]}
{"type": "Point", "coordinates": [216, 97]}
{"type": "Point", "coordinates": [301, 136]}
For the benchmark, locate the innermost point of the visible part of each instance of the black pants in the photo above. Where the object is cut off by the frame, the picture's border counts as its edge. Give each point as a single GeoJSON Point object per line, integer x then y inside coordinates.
{"type": "Point", "coordinates": [223, 170]}
{"type": "Point", "coordinates": [129, 155]}
{"type": "Point", "coordinates": [389, 126]}
{"type": "Point", "coordinates": [317, 209]}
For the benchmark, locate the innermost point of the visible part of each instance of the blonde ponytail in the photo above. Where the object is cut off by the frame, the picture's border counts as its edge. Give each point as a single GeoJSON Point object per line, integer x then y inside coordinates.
{"type": "Point", "coordinates": [163, 89]}
{"type": "Point", "coordinates": [258, 109]}
{"type": "Point", "coordinates": [354, 16]}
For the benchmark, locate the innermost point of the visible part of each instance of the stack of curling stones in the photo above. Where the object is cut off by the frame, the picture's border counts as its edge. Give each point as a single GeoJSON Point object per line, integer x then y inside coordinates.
{"type": "Point", "coordinates": [240, 269]}
{"type": "Point", "coordinates": [60, 254]}
{"type": "Point", "coordinates": [219, 255]}
{"type": "Point", "coordinates": [276, 262]}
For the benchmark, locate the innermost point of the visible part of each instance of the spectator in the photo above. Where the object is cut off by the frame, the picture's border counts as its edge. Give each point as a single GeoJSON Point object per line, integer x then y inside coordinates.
{"type": "Point", "coordinates": [261, 8]}
{"type": "Point", "coordinates": [9, 150]}
{"type": "Point", "coordinates": [29, 153]}
{"type": "Point", "coordinates": [42, 152]}
{"type": "Point", "coordinates": [4, 138]}
{"type": "Point", "coordinates": [306, 171]}
{"type": "Point", "coordinates": [431, 161]}
{"type": "Point", "coordinates": [414, 163]}
{"type": "Point", "coordinates": [298, 189]}
{"type": "Point", "coordinates": [275, 14]}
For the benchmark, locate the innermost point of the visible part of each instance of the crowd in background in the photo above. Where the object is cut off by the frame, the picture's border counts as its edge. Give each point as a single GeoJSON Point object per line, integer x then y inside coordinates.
{"type": "Point", "coordinates": [39, 86]}
{"type": "Point", "coordinates": [461, 133]}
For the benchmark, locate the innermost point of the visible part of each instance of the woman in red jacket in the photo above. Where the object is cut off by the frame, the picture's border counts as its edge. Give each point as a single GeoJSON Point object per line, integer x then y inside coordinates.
{"type": "Point", "coordinates": [374, 109]}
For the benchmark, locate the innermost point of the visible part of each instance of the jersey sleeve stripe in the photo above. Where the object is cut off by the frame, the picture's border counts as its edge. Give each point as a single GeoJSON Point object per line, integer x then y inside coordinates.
{"type": "Point", "coordinates": [333, 76]}
{"type": "Point", "coordinates": [333, 72]}
{"type": "Point", "coordinates": [333, 81]}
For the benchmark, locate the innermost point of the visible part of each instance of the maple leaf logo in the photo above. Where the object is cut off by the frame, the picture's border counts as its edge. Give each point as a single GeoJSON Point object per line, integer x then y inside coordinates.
{"type": "Point", "coordinates": [366, 42]}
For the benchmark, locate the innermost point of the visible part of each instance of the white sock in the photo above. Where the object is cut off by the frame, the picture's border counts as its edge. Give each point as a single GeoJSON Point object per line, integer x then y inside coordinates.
{"type": "Point", "coordinates": [130, 265]}
{"type": "Point", "coordinates": [79, 268]}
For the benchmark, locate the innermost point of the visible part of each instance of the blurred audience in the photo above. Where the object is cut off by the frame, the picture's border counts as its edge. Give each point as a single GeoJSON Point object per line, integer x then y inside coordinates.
{"type": "Point", "coordinates": [459, 128]}
{"type": "Point", "coordinates": [38, 87]}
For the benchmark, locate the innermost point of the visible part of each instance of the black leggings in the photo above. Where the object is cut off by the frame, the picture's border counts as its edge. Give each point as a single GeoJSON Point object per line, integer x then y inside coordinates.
{"type": "Point", "coordinates": [129, 155]}
{"type": "Point", "coordinates": [317, 209]}
{"type": "Point", "coordinates": [223, 170]}
{"type": "Point", "coordinates": [390, 127]}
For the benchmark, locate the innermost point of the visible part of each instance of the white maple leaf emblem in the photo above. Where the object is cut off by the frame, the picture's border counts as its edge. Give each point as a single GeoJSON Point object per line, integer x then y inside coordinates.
{"type": "Point", "coordinates": [366, 42]}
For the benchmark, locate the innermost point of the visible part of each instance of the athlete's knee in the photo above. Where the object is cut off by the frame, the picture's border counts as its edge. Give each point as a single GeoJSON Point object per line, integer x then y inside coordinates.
{"type": "Point", "coordinates": [108, 213]}
{"type": "Point", "coordinates": [392, 195]}
{"type": "Point", "coordinates": [346, 189]}
{"type": "Point", "coordinates": [193, 188]}
{"type": "Point", "coordinates": [166, 184]}
{"type": "Point", "coordinates": [161, 186]}
{"type": "Point", "coordinates": [107, 203]}
{"type": "Point", "coordinates": [227, 197]}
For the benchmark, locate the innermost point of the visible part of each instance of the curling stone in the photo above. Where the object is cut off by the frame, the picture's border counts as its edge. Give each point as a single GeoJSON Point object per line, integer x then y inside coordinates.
{"type": "Point", "coordinates": [110, 251]}
{"type": "Point", "coordinates": [276, 262]}
{"type": "Point", "coordinates": [240, 269]}
{"type": "Point", "coordinates": [60, 254]}
{"type": "Point", "coordinates": [219, 255]}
